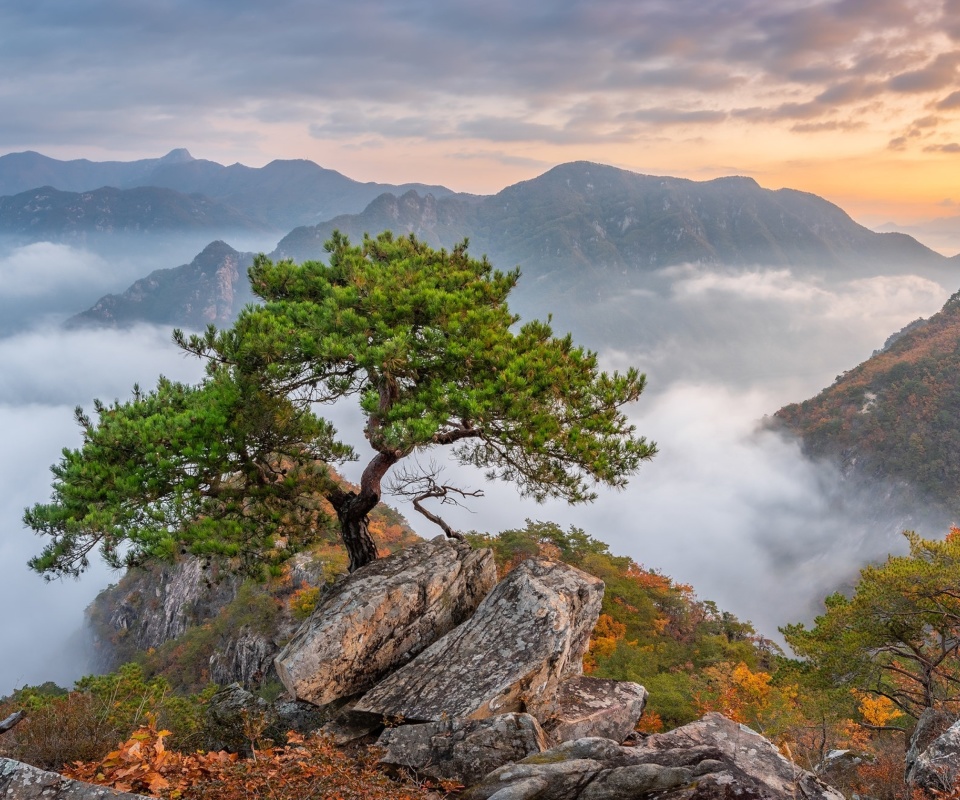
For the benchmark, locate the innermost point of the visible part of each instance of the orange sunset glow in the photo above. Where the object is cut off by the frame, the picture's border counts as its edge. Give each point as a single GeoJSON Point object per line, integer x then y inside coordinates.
{"type": "Point", "coordinates": [853, 100]}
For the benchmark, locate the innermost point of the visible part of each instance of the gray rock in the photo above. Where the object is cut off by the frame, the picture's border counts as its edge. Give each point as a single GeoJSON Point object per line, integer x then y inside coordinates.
{"type": "Point", "coordinates": [19, 781]}
{"type": "Point", "coordinates": [528, 635]}
{"type": "Point", "coordinates": [933, 723]}
{"type": "Point", "coordinates": [711, 759]}
{"type": "Point", "coordinates": [247, 658]}
{"type": "Point", "coordinates": [235, 719]}
{"type": "Point", "coordinates": [462, 750]}
{"type": "Point", "coordinates": [154, 605]}
{"type": "Point", "coordinates": [592, 707]}
{"type": "Point", "coordinates": [840, 767]}
{"type": "Point", "coordinates": [938, 767]}
{"type": "Point", "coordinates": [347, 726]}
{"type": "Point", "coordinates": [381, 616]}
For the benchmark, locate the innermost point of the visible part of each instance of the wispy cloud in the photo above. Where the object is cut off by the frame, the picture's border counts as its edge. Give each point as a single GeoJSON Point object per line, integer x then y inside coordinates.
{"type": "Point", "coordinates": [115, 73]}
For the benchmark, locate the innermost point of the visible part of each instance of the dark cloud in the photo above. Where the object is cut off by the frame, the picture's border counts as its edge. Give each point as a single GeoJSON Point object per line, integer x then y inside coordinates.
{"type": "Point", "coordinates": [939, 73]}
{"type": "Point", "coordinates": [830, 125]}
{"type": "Point", "coordinates": [952, 147]}
{"type": "Point", "coordinates": [112, 74]}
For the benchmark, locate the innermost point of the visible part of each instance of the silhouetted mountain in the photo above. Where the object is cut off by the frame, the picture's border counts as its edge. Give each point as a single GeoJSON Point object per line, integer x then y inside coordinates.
{"type": "Point", "coordinates": [581, 223]}
{"type": "Point", "coordinates": [895, 417]}
{"type": "Point", "coordinates": [585, 235]}
{"type": "Point", "coordinates": [48, 214]}
{"type": "Point", "coordinates": [20, 172]}
{"type": "Point", "coordinates": [281, 194]}
{"type": "Point", "coordinates": [210, 289]}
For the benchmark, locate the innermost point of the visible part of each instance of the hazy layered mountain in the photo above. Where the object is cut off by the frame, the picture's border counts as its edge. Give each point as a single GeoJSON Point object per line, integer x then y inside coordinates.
{"type": "Point", "coordinates": [20, 172]}
{"type": "Point", "coordinates": [282, 194]}
{"type": "Point", "coordinates": [210, 289]}
{"type": "Point", "coordinates": [48, 214]}
{"type": "Point", "coordinates": [599, 247]}
{"type": "Point", "coordinates": [895, 418]}
{"type": "Point", "coordinates": [582, 222]}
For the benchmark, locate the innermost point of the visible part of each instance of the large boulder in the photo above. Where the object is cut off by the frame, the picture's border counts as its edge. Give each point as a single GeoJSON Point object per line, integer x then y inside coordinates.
{"type": "Point", "coordinates": [381, 616]}
{"type": "Point", "coordinates": [585, 707]}
{"type": "Point", "coordinates": [938, 766]}
{"type": "Point", "coordinates": [528, 635]}
{"type": "Point", "coordinates": [712, 759]}
{"type": "Point", "coordinates": [19, 781]}
{"type": "Point", "coordinates": [931, 725]}
{"type": "Point", "coordinates": [462, 750]}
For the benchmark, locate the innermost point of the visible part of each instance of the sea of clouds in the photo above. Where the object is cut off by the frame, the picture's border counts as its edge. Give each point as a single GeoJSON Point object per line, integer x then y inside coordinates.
{"type": "Point", "coordinates": [731, 508]}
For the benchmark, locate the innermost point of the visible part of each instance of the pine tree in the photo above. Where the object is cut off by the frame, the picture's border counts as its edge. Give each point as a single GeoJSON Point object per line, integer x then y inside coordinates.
{"type": "Point", "coordinates": [422, 338]}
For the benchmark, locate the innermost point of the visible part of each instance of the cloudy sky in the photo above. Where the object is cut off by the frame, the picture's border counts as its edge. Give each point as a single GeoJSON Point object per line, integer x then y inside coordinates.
{"type": "Point", "coordinates": [855, 100]}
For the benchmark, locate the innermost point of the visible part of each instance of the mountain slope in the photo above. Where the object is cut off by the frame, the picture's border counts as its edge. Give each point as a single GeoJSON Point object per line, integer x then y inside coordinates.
{"type": "Point", "coordinates": [281, 195]}
{"type": "Point", "coordinates": [895, 417]}
{"type": "Point", "coordinates": [20, 172]}
{"type": "Point", "coordinates": [580, 221]}
{"type": "Point", "coordinates": [585, 234]}
{"type": "Point", "coordinates": [48, 214]}
{"type": "Point", "coordinates": [210, 289]}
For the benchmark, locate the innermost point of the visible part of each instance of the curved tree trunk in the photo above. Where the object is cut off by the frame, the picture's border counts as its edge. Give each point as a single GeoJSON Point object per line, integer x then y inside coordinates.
{"type": "Point", "coordinates": [352, 509]}
{"type": "Point", "coordinates": [354, 530]}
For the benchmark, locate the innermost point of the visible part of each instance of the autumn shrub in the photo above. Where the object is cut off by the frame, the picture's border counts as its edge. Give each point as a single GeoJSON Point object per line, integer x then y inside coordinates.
{"type": "Point", "coordinates": [304, 769]}
{"type": "Point", "coordinates": [61, 727]}
{"type": "Point", "coordinates": [64, 728]}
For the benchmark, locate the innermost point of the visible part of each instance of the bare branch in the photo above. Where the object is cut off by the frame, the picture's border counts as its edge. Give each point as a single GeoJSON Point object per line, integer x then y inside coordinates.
{"type": "Point", "coordinates": [423, 485]}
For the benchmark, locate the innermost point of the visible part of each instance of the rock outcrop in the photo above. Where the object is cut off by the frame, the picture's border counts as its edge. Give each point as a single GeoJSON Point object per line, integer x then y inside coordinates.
{"type": "Point", "coordinates": [381, 616]}
{"type": "Point", "coordinates": [19, 781]}
{"type": "Point", "coordinates": [938, 765]}
{"type": "Point", "coordinates": [462, 750]}
{"type": "Point", "coordinates": [931, 725]}
{"type": "Point", "coordinates": [587, 707]}
{"type": "Point", "coordinates": [155, 605]}
{"type": "Point", "coordinates": [712, 759]}
{"type": "Point", "coordinates": [529, 634]}
{"type": "Point", "coordinates": [234, 716]}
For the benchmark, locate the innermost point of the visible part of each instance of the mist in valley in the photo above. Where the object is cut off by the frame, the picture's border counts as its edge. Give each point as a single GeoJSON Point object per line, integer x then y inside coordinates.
{"type": "Point", "coordinates": [727, 506]}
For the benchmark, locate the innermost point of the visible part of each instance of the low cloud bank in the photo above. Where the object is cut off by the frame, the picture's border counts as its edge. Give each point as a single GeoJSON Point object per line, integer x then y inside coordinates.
{"type": "Point", "coordinates": [46, 373]}
{"type": "Point", "coordinates": [735, 511]}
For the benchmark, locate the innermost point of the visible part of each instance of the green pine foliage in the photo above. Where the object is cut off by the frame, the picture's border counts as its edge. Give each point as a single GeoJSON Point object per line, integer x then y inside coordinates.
{"type": "Point", "coordinates": [898, 635]}
{"type": "Point", "coordinates": [423, 340]}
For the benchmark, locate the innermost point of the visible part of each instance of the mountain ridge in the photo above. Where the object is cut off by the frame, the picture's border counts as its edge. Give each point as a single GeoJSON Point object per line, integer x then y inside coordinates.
{"type": "Point", "coordinates": [282, 194]}
{"type": "Point", "coordinates": [581, 230]}
{"type": "Point", "coordinates": [896, 416]}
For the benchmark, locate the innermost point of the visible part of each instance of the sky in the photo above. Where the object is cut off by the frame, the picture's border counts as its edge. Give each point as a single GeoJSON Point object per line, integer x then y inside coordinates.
{"type": "Point", "coordinates": [855, 100]}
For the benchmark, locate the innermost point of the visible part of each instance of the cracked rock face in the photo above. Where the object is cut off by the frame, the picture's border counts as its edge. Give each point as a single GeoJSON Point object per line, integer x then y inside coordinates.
{"type": "Point", "coordinates": [938, 766]}
{"type": "Point", "coordinates": [19, 781]}
{"type": "Point", "coordinates": [528, 635]}
{"type": "Point", "coordinates": [711, 759]}
{"type": "Point", "coordinates": [586, 706]}
{"type": "Point", "coordinates": [462, 750]}
{"type": "Point", "coordinates": [381, 616]}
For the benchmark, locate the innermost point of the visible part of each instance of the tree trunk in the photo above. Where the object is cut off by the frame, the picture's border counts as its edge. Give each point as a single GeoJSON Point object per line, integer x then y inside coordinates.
{"type": "Point", "coordinates": [352, 509]}
{"type": "Point", "coordinates": [352, 514]}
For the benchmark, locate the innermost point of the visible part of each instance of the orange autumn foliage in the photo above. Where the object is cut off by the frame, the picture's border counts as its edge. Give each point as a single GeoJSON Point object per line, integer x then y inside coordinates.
{"type": "Point", "coordinates": [607, 633]}
{"type": "Point", "coordinates": [304, 768]}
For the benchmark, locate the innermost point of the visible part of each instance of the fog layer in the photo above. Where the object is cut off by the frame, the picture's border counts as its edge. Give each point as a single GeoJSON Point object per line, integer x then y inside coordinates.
{"type": "Point", "coordinates": [734, 511]}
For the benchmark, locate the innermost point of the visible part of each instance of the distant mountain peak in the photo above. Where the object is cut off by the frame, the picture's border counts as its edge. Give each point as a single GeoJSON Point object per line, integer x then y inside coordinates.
{"type": "Point", "coordinates": [179, 155]}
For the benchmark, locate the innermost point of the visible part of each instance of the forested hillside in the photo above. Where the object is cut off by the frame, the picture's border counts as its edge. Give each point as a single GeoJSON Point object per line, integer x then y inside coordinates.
{"type": "Point", "coordinates": [896, 416]}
